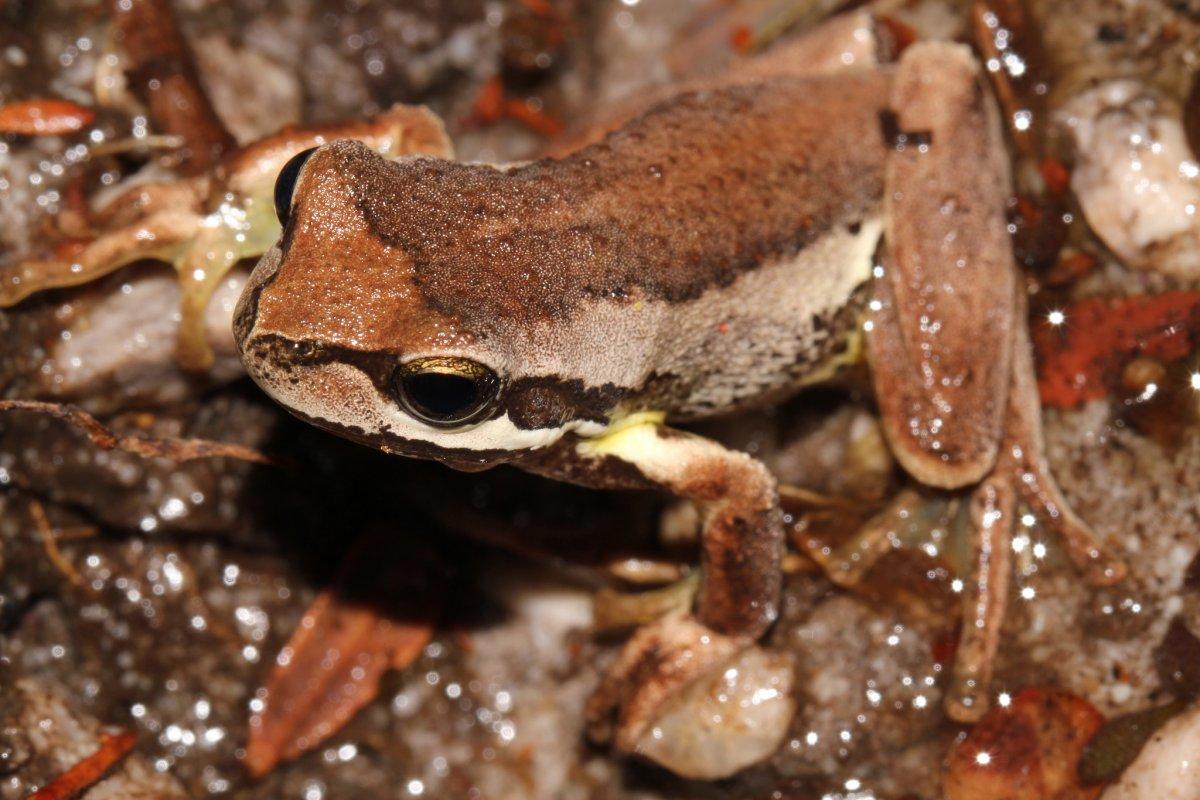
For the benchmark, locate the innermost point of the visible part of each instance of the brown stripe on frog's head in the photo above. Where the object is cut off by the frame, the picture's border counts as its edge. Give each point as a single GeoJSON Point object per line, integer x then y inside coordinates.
{"type": "Point", "coordinates": [334, 326]}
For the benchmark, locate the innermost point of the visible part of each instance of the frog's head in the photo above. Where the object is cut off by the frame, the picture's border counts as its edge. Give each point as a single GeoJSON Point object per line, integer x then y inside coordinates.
{"type": "Point", "coordinates": [341, 324]}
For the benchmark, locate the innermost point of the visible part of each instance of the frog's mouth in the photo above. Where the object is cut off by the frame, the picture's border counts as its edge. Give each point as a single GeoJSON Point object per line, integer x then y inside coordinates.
{"type": "Point", "coordinates": [463, 460]}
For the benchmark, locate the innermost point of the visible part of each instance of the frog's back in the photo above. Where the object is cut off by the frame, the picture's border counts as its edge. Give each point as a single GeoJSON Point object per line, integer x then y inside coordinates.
{"type": "Point", "coordinates": [718, 217]}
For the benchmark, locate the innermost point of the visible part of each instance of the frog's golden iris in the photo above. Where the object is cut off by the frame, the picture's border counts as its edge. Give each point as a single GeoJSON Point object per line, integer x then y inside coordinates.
{"type": "Point", "coordinates": [446, 392]}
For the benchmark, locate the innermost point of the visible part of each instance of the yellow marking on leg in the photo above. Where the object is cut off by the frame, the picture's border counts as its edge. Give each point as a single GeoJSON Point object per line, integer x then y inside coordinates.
{"type": "Point", "coordinates": [627, 438]}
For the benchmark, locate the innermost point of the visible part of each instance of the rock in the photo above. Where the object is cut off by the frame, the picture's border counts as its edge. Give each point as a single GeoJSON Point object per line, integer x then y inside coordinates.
{"type": "Point", "coordinates": [728, 720]}
{"type": "Point", "coordinates": [1135, 176]}
{"type": "Point", "coordinates": [1167, 768]}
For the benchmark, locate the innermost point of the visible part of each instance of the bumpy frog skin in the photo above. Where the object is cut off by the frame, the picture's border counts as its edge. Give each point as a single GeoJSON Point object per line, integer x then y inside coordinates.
{"type": "Point", "coordinates": [718, 252]}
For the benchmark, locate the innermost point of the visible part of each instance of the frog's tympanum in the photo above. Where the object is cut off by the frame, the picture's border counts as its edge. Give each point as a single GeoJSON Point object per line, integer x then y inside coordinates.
{"type": "Point", "coordinates": [734, 243]}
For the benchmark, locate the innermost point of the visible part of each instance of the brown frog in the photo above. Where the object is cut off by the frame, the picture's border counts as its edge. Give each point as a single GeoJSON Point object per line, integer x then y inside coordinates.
{"type": "Point", "coordinates": [735, 243]}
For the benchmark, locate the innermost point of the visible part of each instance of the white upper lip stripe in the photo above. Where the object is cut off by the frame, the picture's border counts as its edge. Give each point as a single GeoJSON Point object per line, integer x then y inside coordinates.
{"type": "Point", "coordinates": [359, 406]}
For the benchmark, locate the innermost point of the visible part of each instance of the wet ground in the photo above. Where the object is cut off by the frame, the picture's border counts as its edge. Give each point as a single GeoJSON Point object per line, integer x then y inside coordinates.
{"type": "Point", "coordinates": [152, 595]}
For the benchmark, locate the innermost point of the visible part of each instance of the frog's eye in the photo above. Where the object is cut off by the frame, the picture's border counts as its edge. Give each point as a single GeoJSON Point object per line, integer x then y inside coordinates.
{"type": "Point", "coordinates": [285, 184]}
{"type": "Point", "coordinates": [446, 392]}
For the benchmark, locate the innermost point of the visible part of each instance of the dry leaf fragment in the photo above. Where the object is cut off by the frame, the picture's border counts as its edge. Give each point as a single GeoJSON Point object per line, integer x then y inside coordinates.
{"type": "Point", "coordinates": [1082, 348]}
{"type": "Point", "coordinates": [348, 638]}
{"type": "Point", "coordinates": [1120, 741]}
{"type": "Point", "coordinates": [44, 117]}
{"type": "Point", "coordinates": [87, 773]}
{"type": "Point", "coordinates": [162, 73]}
{"type": "Point", "coordinates": [1029, 750]}
{"type": "Point", "coordinates": [148, 447]}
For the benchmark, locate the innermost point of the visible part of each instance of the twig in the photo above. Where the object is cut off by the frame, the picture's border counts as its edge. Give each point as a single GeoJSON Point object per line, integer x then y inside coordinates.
{"type": "Point", "coordinates": [163, 75]}
{"type": "Point", "coordinates": [170, 448]}
{"type": "Point", "coordinates": [88, 772]}
{"type": "Point", "coordinates": [50, 544]}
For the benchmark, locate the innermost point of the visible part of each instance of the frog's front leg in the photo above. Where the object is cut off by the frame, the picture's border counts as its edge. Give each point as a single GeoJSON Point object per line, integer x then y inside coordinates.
{"type": "Point", "coordinates": [742, 548]}
{"type": "Point", "coordinates": [948, 348]}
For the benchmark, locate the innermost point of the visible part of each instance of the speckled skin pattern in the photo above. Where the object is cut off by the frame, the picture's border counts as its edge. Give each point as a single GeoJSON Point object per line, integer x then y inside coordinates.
{"type": "Point", "coordinates": [696, 260]}
{"type": "Point", "coordinates": [704, 257]}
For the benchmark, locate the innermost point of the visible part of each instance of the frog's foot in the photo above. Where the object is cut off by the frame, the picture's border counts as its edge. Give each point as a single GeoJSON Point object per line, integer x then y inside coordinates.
{"type": "Point", "coordinates": [848, 564]}
{"type": "Point", "coordinates": [702, 704]}
{"type": "Point", "coordinates": [1020, 471]}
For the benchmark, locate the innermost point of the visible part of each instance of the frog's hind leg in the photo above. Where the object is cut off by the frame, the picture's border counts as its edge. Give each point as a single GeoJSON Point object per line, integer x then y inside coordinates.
{"type": "Point", "coordinates": [948, 348]}
{"type": "Point", "coordinates": [941, 331]}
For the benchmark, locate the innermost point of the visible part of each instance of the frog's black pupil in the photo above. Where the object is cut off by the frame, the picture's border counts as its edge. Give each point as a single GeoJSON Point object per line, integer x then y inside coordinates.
{"type": "Point", "coordinates": [441, 396]}
{"type": "Point", "coordinates": [285, 184]}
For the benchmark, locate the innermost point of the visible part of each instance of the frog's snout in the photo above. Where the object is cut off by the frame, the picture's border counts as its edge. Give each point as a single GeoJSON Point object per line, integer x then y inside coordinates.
{"type": "Point", "coordinates": [245, 313]}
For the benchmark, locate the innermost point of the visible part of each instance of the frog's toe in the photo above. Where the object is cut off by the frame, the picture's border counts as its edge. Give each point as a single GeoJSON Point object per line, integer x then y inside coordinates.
{"type": "Point", "coordinates": [1102, 568]}
{"type": "Point", "coordinates": [698, 703]}
{"type": "Point", "coordinates": [1094, 560]}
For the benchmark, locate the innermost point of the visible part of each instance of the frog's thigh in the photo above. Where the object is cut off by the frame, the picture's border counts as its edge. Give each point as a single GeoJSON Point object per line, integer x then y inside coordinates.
{"type": "Point", "coordinates": [940, 340]}
{"type": "Point", "coordinates": [742, 537]}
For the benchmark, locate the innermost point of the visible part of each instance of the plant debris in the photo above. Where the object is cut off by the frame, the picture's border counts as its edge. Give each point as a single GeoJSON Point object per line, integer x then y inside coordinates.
{"type": "Point", "coordinates": [44, 117]}
{"type": "Point", "coordinates": [145, 446]}
{"type": "Point", "coordinates": [87, 773]}
{"type": "Point", "coordinates": [1083, 347]}
{"type": "Point", "coordinates": [1028, 750]}
{"type": "Point", "coordinates": [349, 636]}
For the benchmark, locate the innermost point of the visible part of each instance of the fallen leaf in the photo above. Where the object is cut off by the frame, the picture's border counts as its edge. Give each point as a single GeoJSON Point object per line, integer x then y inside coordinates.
{"type": "Point", "coordinates": [1177, 661]}
{"type": "Point", "coordinates": [1118, 743]}
{"type": "Point", "coordinates": [1028, 750]}
{"type": "Point", "coordinates": [44, 117]}
{"type": "Point", "coordinates": [160, 71]}
{"type": "Point", "coordinates": [1082, 348]}
{"type": "Point", "coordinates": [902, 34]}
{"type": "Point", "coordinates": [88, 772]}
{"type": "Point", "coordinates": [1055, 174]}
{"type": "Point", "coordinates": [372, 620]}
{"type": "Point", "coordinates": [1069, 268]}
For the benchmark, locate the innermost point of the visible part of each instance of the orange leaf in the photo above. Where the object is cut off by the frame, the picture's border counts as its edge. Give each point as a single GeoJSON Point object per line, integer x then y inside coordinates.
{"type": "Point", "coordinates": [902, 35]}
{"type": "Point", "coordinates": [1070, 268]}
{"type": "Point", "coordinates": [333, 663]}
{"type": "Point", "coordinates": [44, 117]}
{"type": "Point", "coordinates": [489, 103]}
{"type": "Point", "coordinates": [88, 772]}
{"type": "Point", "coordinates": [1081, 357]}
{"type": "Point", "coordinates": [536, 120]}
{"type": "Point", "coordinates": [1055, 174]}
{"type": "Point", "coordinates": [1028, 750]}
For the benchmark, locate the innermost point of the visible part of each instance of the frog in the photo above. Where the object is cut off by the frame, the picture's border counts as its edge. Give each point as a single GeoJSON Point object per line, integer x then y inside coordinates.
{"type": "Point", "coordinates": [742, 239]}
